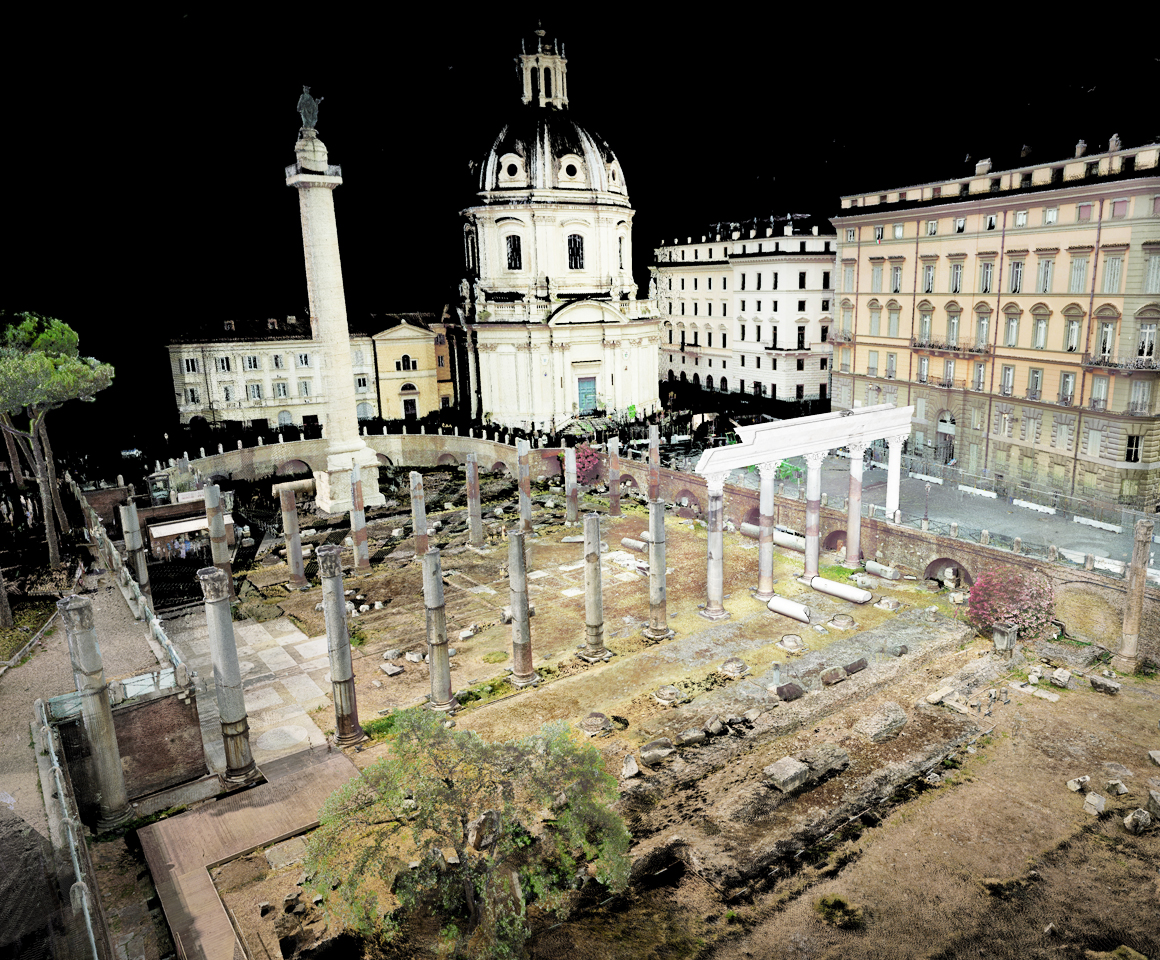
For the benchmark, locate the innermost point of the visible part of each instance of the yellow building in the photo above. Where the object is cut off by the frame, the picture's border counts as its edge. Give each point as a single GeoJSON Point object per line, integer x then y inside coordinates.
{"type": "Point", "coordinates": [411, 361]}
{"type": "Point", "coordinates": [1018, 311]}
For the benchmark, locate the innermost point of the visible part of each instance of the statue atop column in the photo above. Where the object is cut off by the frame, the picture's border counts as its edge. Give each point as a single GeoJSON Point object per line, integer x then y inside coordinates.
{"type": "Point", "coordinates": [308, 109]}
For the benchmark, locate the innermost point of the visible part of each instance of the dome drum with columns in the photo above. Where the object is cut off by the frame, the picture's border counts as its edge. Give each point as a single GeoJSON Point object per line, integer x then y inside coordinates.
{"type": "Point", "coordinates": [548, 269]}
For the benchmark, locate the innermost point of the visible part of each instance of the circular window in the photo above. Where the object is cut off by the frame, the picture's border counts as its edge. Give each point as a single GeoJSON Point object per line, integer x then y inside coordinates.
{"type": "Point", "coordinates": [512, 170]}
{"type": "Point", "coordinates": [570, 169]}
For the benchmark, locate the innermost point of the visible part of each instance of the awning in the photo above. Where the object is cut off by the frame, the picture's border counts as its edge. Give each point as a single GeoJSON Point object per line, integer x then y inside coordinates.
{"type": "Point", "coordinates": [175, 528]}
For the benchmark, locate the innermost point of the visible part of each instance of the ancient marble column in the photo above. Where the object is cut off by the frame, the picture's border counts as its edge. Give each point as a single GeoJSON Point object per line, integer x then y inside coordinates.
{"type": "Point", "coordinates": [439, 661]}
{"type": "Point", "coordinates": [854, 505]}
{"type": "Point", "coordinates": [614, 477]}
{"type": "Point", "coordinates": [654, 463]}
{"type": "Point", "coordinates": [358, 525]}
{"type": "Point", "coordinates": [89, 671]}
{"type": "Point", "coordinates": [136, 547]}
{"type": "Point", "coordinates": [227, 676]}
{"type": "Point", "coordinates": [219, 549]}
{"type": "Point", "coordinates": [523, 673]}
{"type": "Point", "coordinates": [474, 514]}
{"type": "Point", "coordinates": [714, 608]}
{"type": "Point", "coordinates": [288, 502]}
{"type": "Point", "coordinates": [1127, 656]}
{"type": "Point", "coordinates": [813, 512]}
{"type": "Point", "coordinates": [658, 613]}
{"type": "Point", "coordinates": [419, 514]}
{"type": "Point", "coordinates": [894, 473]}
{"type": "Point", "coordinates": [594, 648]}
{"type": "Point", "coordinates": [573, 495]}
{"type": "Point", "coordinates": [523, 451]}
{"type": "Point", "coordinates": [346, 726]}
{"type": "Point", "coordinates": [767, 504]}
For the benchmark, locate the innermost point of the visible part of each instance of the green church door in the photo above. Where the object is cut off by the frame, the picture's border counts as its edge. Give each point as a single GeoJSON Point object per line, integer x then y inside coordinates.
{"type": "Point", "coordinates": [587, 394]}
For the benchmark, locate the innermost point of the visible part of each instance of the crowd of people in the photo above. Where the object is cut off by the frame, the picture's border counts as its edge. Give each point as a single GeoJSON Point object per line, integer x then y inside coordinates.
{"type": "Point", "coordinates": [23, 511]}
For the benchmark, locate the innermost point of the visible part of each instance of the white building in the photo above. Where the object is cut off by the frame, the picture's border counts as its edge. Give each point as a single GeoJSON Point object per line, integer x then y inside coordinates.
{"type": "Point", "coordinates": [550, 327]}
{"type": "Point", "coordinates": [749, 308]}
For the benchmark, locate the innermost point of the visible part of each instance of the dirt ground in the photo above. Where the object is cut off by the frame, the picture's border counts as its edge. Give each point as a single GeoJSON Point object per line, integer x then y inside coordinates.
{"type": "Point", "coordinates": [998, 859]}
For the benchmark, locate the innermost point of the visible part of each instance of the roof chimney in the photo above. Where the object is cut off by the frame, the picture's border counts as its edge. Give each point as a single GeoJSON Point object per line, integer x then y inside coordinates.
{"type": "Point", "coordinates": [982, 167]}
{"type": "Point", "coordinates": [1081, 148]}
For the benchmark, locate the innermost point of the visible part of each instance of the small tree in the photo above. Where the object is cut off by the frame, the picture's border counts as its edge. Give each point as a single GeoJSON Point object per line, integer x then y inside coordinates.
{"type": "Point", "coordinates": [469, 831]}
{"type": "Point", "coordinates": [1026, 600]}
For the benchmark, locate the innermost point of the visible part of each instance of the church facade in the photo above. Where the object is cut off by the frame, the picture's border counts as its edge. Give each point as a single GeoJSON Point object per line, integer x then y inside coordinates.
{"type": "Point", "coordinates": [548, 324]}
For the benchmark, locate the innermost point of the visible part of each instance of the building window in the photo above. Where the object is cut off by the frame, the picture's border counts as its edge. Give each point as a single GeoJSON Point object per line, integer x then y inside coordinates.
{"type": "Point", "coordinates": [757, 362]}
{"type": "Point", "coordinates": [801, 306]}
{"type": "Point", "coordinates": [982, 329]}
{"type": "Point", "coordinates": [1050, 215]}
{"type": "Point", "coordinates": [1020, 218]}
{"type": "Point", "coordinates": [1107, 342]}
{"type": "Point", "coordinates": [878, 232]}
{"type": "Point", "coordinates": [1016, 276]}
{"type": "Point", "coordinates": [825, 306]}
{"type": "Point", "coordinates": [1071, 342]}
{"type": "Point", "coordinates": [277, 361]}
{"type": "Point", "coordinates": [1012, 339]}
{"type": "Point", "coordinates": [743, 281]}
{"type": "Point", "coordinates": [406, 363]}
{"type": "Point", "coordinates": [980, 375]}
{"type": "Point", "coordinates": [280, 389]}
{"type": "Point", "coordinates": [898, 231]}
{"type": "Point", "coordinates": [742, 329]}
{"type": "Point", "coordinates": [192, 395]}
{"type": "Point", "coordinates": [928, 278]}
{"type": "Point", "coordinates": [801, 339]}
{"type": "Point", "coordinates": [896, 279]}
{"type": "Point", "coordinates": [956, 278]}
{"type": "Point", "coordinates": [709, 281]}
{"type": "Point", "coordinates": [1152, 274]}
{"type": "Point", "coordinates": [953, 329]}
{"type": "Point", "coordinates": [682, 283]}
{"type": "Point", "coordinates": [990, 221]}
{"type": "Point", "coordinates": [442, 360]}
{"type": "Point", "coordinates": [191, 365]}
{"type": "Point", "coordinates": [1083, 212]}
{"type": "Point", "coordinates": [1113, 267]}
{"type": "Point", "coordinates": [1043, 281]}
{"type": "Point", "coordinates": [1007, 381]}
{"type": "Point", "coordinates": [823, 365]}
{"type": "Point", "coordinates": [304, 388]}
{"type": "Point", "coordinates": [802, 280]}
{"type": "Point", "coordinates": [849, 234]}
{"type": "Point", "coordinates": [1040, 340]}
{"type": "Point", "coordinates": [303, 359]}
{"type": "Point", "coordinates": [891, 365]}
{"type": "Point", "coordinates": [252, 363]}
{"type": "Point", "coordinates": [1132, 455]}
{"type": "Point", "coordinates": [875, 322]}
{"type": "Point", "coordinates": [576, 252]}
{"type": "Point", "coordinates": [723, 343]}
{"type": "Point", "coordinates": [223, 364]}
{"type": "Point", "coordinates": [757, 333]}
{"type": "Point", "coordinates": [960, 225]}
{"type": "Point", "coordinates": [1078, 275]}
{"type": "Point", "coordinates": [254, 391]}
{"type": "Point", "coordinates": [360, 383]}
{"type": "Point", "coordinates": [848, 279]}
{"type": "Point", "coordinates": [620, 251]}
{"type": "Point", "coordinates": [988, 271]}
{"type": "Point", "coordinates": [923, 369]}
{"type": "Point", "coordinates": [931, 228]}
{"type": "Point", "coordinates": [695, 283]}
{"type": "Point", "coordinates": [228, 393]}
{"type": "Point", "coordinates": [876, 278]}
{"type": "Point", "coordinates": [515, 257]}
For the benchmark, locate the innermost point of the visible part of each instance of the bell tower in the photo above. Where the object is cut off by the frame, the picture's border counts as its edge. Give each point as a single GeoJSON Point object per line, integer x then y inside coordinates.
{"type": "Point", "coordinates": [545, 74]}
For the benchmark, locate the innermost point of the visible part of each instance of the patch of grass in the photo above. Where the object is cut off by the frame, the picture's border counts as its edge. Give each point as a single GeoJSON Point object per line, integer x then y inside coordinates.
{"type": "Point", "coordinates": [30, 615]}
{"type": "Point", "coordinates": [358, 636]}
{"type": "Point", "coordinates": [496, 656]}
{"type": "Point", "coordinates": [381, 727]}
{"type": "Point", "coordinates": [835, 911]}
{"type": "Point", "coordinates": [835, 572]}
{"type": "Point", "coordinates": [1147, 668]}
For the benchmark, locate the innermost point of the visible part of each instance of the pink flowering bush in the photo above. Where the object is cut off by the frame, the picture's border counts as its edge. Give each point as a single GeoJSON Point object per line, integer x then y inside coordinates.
{"type": "Point", "coordinates": [1026, 600]}
{"type": "Point", "coordinates": [587, 464]}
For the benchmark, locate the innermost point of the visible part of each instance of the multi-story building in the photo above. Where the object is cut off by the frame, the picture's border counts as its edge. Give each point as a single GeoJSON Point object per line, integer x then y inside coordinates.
{"type": "Point", "coordinates": [1017, 311]}
{"type": "Point", "coordinates": [267, 375]}
{"type": "Point", "coordinates": [749, 307]}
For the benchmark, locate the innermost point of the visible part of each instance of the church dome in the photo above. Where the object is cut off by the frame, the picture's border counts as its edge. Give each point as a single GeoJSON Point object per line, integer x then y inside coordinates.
{"type": "Point", "coordinates": [544, 149]}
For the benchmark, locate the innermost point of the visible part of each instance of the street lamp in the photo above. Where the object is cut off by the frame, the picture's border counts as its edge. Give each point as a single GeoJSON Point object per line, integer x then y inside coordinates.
{"type": "Point", "coordinates": [926, 509]}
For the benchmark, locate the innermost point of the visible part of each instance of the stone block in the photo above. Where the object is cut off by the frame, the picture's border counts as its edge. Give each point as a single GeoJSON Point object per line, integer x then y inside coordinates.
{"type": "Point", "coordinates": [1078, 784]}
{"type": "Point", "coordinates": [391, 669]}
{"type": "Point", "coordinates": [1154, 803]}
{"type": "Point", "coordinates": [1046, 695]}
{"type": "Point", "coordinates": [414, 656]}
{"type": "Point", "coordinates": [1154, 756]}
{"type": "Point", "coordinates": [886, 722]}
{"type": "Point", "coordinates": [714, 727]}
{"type": "Point", "coordinates": [1094, 804]}
{"type": "Point", "coordinates": [787, 774]}
{"type": "Point", "coordinates": [630, 768]}
{"type": "Point", "coordinates": [824, 759]}
{"type": "Point", "coordinates": [466, 634]}
{"type": "Point", "coordinates": [789, 691]}
{"type": "Point", "coordinates": [733, 667]}
{"type": "Point", "coordinates": [655, 751]}
{"type": "Point", "coordinates": [1103, 685]}
{"type": "Point", "coordinates": [691, 737]}
{"type": "Point", "coordinates": [1137, 821]}
{"type": "Point", "coordinates": [1061, 678]}
{"type": "Point", "coordinates": [392, 654]}
{"type": "Point", "coordinates": [1116, 787]}
{"type": "Point", "coordinates": [939, 695]}
{"type": "Point", "coordinates": [857, 666]}
{"type": "Point", "coordinates": [833, 675]}
{"type": "Point", "coordinates": [752, 714]}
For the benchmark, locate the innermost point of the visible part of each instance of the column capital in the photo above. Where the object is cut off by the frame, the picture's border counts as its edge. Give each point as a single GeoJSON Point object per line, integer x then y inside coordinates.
{"type": "Point", "coordinates": [898, 440]}
{"type": "Point", "coordinates": [769, 468]}
{"type": "Point", "coordinates": [716, 483]}
{"type": "Point", "coordinates": [215, 585]}
{"type": "Point", "coordinates": [814, 460]}
{"type": "Point", "coordinates": [856, 449]}
{"type": "Point", "coordinates": [329, 560]}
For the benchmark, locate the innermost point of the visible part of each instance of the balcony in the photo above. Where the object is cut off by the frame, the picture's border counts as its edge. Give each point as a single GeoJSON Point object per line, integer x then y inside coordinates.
{"type": "Point", "coordinates": [1139, 408]}
{"type": "Point", "coordinates": [871, 371]}
{"type": "Point", "coordinates": [1006, 390]}
{"type": "Point", "coordinates": [1099, 403]}
{"type": "Point", "coordinates": [1033, 394]}
{"type": "Point", "coordinates": [956, 346]}
{"type": "Point", "coordinates": [841, 336]}
{"type": "Point", "coordinates": [845, 368]}
{"type": "Point", "coordinates": [979, 386]}
{"type": "Point", "coordinates": [949, 383]}
{"type": "Point", "coordinates": [1138, 361]}
{"type": "Point", "coordinates": [1066, 399]}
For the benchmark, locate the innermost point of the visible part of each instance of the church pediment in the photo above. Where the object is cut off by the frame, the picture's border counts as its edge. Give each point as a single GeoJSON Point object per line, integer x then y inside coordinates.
{"type": "Point", "coordinates": [586, 311]}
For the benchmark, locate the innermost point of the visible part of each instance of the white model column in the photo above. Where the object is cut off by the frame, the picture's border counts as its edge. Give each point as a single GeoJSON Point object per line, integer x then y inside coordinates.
{"type": "Point", "coordinates": [715, 566]}
{"type": "Point", "coordinates": [813, 512]}
{"type": "Point", "coordinates": [854, 505]}
{"type": "Point", "coordinates": [893, 473]}
{"type": "Point", "coordinates": [769, 471]}
{"type": "Point", "coordinates": [315, 181]}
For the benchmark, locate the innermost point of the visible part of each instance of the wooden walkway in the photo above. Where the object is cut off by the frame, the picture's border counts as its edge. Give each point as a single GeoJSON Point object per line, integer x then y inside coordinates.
{"type": "Point", "coordinates": [180, 850]}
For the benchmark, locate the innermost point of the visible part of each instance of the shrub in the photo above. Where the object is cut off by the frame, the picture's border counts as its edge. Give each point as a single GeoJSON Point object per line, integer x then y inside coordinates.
{"type": "Point", "coordinates": [1026, 600]}
{"type": "Point", "coordinates": [835, 911]}
{"type": "Point", "coordinates": [587, 464]}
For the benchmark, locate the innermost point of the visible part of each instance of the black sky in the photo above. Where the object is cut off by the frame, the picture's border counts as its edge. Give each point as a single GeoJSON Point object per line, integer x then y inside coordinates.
{"type": "Point", "coordinates": [145, 156]}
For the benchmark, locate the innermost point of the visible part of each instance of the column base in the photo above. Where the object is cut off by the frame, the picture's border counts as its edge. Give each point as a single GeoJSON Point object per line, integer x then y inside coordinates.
{"type": "Point", "coordinates": [1125, 664]}
{"type": "Point", "coordinates": [531, 680]}
{"type": "Point", "coordinates": [763, 595]}
{"type": "Point", "coordinates": [656, 636]}
{"type": "Point", "coordinates": [449, 707]}
{"type": "Point", "coordinates": [587, 657]}
{"type": "Point", "coordinates": [299, 583]}
{"type": "Point", "coordinates": [118, 819]}
{"type": "Point", "coordinates": [242, 775]}
{"type": "Point", "coordinates": [350, 739]}
{"type": "Point", "coordinates": [719, 614]}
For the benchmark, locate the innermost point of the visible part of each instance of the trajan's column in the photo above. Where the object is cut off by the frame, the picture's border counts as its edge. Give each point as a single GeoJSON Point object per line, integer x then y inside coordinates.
{"type": "Point", "coordinates": [346, 451]}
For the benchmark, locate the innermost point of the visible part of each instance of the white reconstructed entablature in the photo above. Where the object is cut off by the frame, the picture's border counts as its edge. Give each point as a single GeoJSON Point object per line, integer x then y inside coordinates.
{"type": "Point", "coordinates": [765, 442]}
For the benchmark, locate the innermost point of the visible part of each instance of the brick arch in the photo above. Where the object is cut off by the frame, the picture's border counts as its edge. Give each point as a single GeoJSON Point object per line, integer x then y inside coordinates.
{"type": "Point", "coordinates": [753, 516]}
{"type": "Point", "coordinates": [500, 467]}
{"type": "Point", "coordinates": [290, 467]}
{"type": "Point", "coordinates": [834, 540]}
{"type": "Point", "coordinates": [630, 480]}
{"type": "Point", "coordinates": [384, 460]}
{"type": "Point", "coordinates": [447, 459]}
{"type": "Point", "coordinates": [694, 500]}
{"type": "Point", "coordinates": [934, 570]}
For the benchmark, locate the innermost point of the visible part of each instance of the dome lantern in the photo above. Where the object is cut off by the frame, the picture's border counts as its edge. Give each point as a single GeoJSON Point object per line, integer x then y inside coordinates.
{"type": "Point", "coordinates": [544, 74]}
